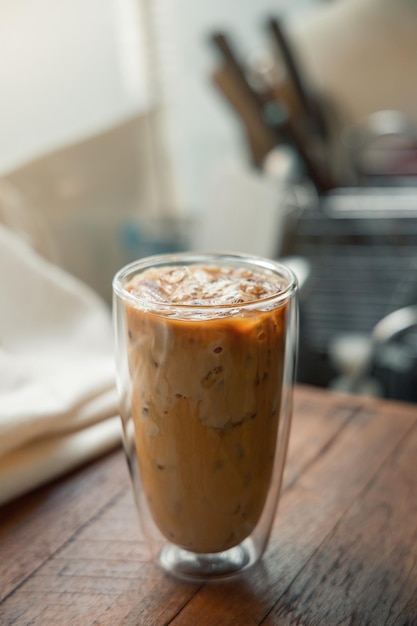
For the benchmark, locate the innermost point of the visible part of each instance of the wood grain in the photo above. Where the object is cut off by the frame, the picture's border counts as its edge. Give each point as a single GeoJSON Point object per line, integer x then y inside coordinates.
{"type": "Point", "coordinates": [343, 548]}
{"type": "Point", "coordinates": [33, 528]}
{"type": "Point", "coordinates": [367, 564]}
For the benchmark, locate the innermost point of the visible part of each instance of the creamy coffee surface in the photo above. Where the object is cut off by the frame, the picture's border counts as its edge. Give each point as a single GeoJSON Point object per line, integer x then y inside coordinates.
{"type": "Point", "coordinates": [199, 285]}
{"type": "Point", "coordinates": [206, 399]}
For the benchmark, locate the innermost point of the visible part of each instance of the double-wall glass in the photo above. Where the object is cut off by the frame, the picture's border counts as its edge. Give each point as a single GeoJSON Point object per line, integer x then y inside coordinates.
{"type": "Point", "coordinates": [206, 395]}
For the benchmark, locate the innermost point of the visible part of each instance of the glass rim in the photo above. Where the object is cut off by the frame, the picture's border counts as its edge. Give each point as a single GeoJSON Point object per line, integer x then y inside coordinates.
{"type": "Point", "coordinates": [193, 258]}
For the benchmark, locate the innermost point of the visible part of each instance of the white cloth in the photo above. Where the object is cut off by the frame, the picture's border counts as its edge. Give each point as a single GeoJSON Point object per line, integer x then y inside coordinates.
{"type": "Point", "coordinates": [58, 402]}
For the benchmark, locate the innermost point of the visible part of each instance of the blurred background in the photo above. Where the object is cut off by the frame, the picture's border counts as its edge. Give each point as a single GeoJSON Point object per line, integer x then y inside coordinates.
{"type": "Point", "coordinates": [284, 129]}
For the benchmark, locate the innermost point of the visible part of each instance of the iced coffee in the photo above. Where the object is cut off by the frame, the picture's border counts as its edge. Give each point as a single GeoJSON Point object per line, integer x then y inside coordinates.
{"type": "Point", "coordinates": [206, 381]}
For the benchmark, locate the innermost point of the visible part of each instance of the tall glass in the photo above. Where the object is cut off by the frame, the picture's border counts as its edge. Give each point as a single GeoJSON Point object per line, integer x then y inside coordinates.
{"type": "Point", "coordinates": [206, 394]}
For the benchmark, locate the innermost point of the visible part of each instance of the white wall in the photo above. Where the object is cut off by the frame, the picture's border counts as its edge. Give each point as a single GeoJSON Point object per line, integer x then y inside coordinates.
{"type": "Point", "coordinates": [69, 68]}
{"type": "Point", "coordinates": [62, 73]}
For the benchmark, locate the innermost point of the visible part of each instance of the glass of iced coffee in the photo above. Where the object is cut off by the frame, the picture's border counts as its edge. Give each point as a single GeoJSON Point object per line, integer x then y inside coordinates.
{"type": "Point", "coordinates": [206, 349]}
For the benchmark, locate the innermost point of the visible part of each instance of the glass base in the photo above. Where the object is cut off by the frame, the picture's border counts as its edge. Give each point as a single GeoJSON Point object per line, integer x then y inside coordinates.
{"type": "Point", "coordinates": [197, 567]}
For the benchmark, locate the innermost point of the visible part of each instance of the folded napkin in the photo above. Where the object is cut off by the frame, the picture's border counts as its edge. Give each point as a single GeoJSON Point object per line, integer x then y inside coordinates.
{"type": "Point", "coordinates": [58, 403]}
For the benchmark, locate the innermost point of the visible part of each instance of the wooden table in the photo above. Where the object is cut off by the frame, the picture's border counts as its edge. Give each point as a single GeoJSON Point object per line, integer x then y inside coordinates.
{"type": "Point", "coordinates": [343, 549]}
